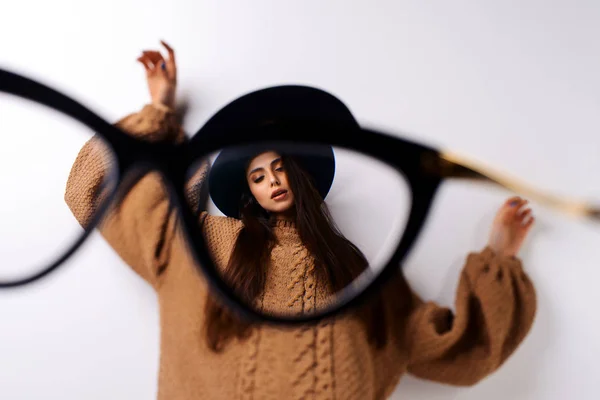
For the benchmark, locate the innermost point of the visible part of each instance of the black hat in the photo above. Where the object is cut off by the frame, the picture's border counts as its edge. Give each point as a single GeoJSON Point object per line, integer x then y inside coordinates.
{"type": "Point", "coordinates": [227, 178]}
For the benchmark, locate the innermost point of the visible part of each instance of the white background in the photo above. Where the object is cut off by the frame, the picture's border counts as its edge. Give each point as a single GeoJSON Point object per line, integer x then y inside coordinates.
{"type": "Point", "coordinates": [513, 83]}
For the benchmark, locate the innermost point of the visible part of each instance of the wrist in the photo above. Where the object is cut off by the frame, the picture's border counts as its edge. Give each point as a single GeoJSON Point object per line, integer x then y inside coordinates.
{"type": "Point", "coordinates": [164, 98]}
{"type": "Point", "coordinates": [501, 252]}
{"type": "Point", "coordinates": [162, 106]}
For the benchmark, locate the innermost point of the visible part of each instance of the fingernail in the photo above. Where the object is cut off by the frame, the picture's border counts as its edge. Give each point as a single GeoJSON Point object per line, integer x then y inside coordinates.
{"type": "Point", "coordinates": [514, 203]}
{"type": "Point", "coordinates": [163, 66]}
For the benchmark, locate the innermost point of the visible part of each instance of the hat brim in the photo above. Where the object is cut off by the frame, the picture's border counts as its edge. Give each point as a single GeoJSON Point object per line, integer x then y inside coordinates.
{"type": "Point", "coordinates": [227, 179]}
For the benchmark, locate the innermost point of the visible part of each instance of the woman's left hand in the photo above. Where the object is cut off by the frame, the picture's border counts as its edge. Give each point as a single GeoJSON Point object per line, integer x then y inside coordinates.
{"type": "Point", "coordinates": [510, 228]}
{"type": "Point", "coordinates": [161, 75]}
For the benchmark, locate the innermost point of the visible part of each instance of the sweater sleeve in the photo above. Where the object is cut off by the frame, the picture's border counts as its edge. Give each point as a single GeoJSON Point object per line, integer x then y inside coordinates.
{"type": "Point", "coordinates": [495, 309]}
{"type": "Point", "coordinates": [220, 233]}
{"type": "Point", "coordinates": [142, 225]}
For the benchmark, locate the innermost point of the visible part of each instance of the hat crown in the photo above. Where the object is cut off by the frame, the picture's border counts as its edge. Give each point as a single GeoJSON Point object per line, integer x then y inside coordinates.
{"type": "Point", "coordinates": [280, 103]}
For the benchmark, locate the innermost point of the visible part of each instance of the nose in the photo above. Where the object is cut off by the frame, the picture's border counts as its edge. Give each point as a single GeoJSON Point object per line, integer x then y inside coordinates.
{"type": "Point", "coordinates": [274, 180]}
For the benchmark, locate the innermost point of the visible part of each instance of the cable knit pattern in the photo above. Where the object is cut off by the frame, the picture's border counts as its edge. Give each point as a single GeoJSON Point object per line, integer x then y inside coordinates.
{"type": "Point", "coordinates": [495, 302]}
{"type": "Point", "coordinates": [300, 296]}
{"type": "Point", "coordinates": [249, 365]}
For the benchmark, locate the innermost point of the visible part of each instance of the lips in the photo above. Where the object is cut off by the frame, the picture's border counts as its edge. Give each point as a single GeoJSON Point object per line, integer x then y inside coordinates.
{"type": "Point", "coordinates": [280, 193]}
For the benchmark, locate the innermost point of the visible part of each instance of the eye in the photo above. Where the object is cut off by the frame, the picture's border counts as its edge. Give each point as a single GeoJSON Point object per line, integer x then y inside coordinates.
{"type": "Point", "coordinates": [279, 169]}
{"type": "Point", "coordinates": [258, 179]}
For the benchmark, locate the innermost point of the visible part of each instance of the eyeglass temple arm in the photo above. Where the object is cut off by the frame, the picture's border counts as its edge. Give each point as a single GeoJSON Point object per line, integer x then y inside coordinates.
{"type": "Point", "coordinates": [451, 165]}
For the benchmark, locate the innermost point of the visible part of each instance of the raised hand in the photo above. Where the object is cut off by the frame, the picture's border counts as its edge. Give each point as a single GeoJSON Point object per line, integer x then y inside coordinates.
{"type": "Point", "coordinates": [510, 227]}
{"type": "Point", "coordinates": [161, 75]}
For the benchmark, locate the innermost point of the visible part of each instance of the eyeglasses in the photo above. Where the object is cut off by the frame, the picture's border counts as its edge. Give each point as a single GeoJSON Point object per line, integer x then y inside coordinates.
{"type": "Point", "coordinates": [395, 182]}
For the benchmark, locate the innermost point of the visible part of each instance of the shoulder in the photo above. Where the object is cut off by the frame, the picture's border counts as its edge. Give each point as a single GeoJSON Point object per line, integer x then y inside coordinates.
{"type": "Point", "coordinates": [224, 225]}
{"type": "Point", "coordinates": [218, 228]}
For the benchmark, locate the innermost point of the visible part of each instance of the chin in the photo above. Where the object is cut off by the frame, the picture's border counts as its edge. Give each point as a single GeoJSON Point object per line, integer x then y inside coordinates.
{"type": "Point", "coordinates": [282, 208]}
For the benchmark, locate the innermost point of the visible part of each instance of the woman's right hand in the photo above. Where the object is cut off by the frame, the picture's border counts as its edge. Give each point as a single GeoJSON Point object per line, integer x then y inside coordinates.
{"type": "Point", "coordinates": [161, 75]}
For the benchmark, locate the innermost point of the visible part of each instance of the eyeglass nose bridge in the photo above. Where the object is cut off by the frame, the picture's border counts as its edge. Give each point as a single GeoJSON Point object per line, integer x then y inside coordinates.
{"type": "Point", "coordinates": [167, 159]}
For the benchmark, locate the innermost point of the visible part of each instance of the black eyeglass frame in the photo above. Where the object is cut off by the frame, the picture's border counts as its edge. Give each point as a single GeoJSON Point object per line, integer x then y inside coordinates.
{"type": "Point", "coordinates": [424, 168]}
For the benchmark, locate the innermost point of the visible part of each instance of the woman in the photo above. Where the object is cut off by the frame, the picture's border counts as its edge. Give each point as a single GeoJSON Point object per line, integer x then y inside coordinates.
{"type": "Point", "coordinates": [208, 353]}
{"type": "Point", "coordinates": [277, 205]}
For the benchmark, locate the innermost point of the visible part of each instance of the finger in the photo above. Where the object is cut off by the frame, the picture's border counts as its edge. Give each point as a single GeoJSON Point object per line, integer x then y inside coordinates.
{"type": "Point", "coordinates": [513, 209]}
{"type": "Point", "coordinates": [518, 205]}
{"type": "Point", "coordinates": [505, 207]}
{"type": "Point", "coordinates": [171, 63]}
{"type": "Point", "coordinates": [527, 226]}
{"type": "Point", "coordinates": [530, 223]}
{"type": "Point", "coordinates": [147, 59]}
{"type": "Point", "coordinates": [146, 63]}
{"type": "Point", "coordinates": [523, 215]}
{"type": "Point", "coordinates": [158, 62]}
{"type": "Point", "coordinates": [164, 70]}
{"type": "Point", "coordinates": [512, 201]}
{"type": "Point", "coordinates": [521, 208]}
{"type": "Point", "coordinates": [160, 66]}
{"type": "Point", "coordinates": [509, 204]}
{"type": "Point", "coordinates": [155, 57]}
{"type": "Point", "coordinates": [169, 50]}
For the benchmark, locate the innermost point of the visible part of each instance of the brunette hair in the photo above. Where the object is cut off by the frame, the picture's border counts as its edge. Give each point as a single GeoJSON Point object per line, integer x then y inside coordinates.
{"type": "Point", "coordinates": [337, 260]}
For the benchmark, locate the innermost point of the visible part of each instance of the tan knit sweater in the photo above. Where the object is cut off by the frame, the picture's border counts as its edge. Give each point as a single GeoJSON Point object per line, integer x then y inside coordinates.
{"type": "Point", "coordinates": [494, 310]}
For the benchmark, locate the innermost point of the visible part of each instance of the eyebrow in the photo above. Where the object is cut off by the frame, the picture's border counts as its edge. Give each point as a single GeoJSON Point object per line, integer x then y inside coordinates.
{"type": "Point", "coordinates": [275, 161]}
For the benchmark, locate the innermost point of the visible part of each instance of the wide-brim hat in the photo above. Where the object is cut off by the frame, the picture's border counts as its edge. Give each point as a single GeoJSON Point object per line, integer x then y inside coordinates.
{"type": "Point", "coordinates": [227, 177]}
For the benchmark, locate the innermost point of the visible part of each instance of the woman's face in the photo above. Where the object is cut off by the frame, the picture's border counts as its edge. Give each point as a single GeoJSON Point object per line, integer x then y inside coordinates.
{"type": "Point", "coordinates": [268, 183]}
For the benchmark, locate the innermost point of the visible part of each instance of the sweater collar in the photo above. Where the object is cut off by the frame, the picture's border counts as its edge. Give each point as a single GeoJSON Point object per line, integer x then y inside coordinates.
{"type": "Point", "coordinates": [285, 231]}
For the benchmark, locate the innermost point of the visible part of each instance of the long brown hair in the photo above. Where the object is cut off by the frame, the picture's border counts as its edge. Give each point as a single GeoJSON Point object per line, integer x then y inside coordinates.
{"type": "Point", "coordinates": [337, 260]}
